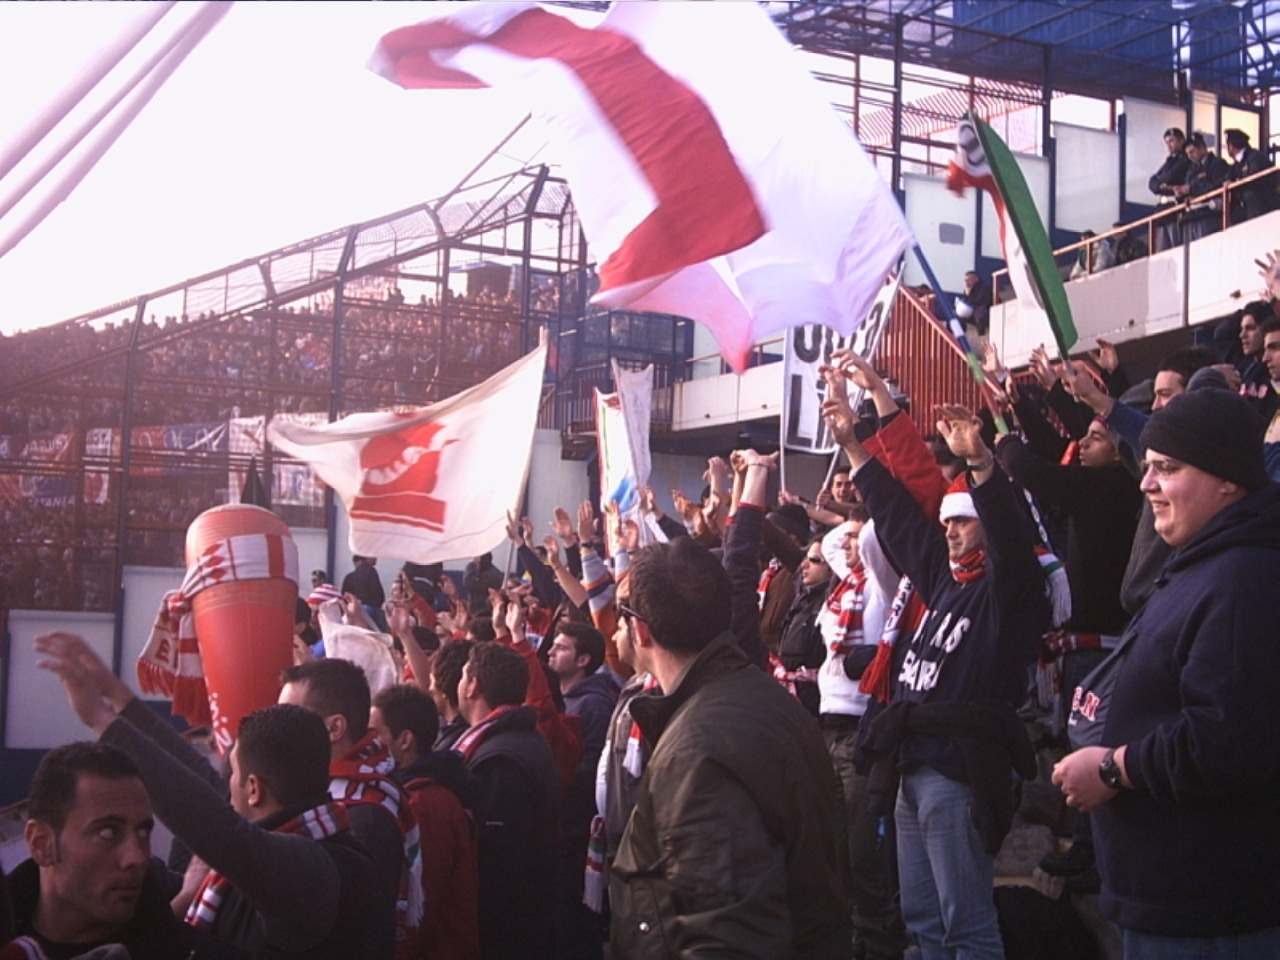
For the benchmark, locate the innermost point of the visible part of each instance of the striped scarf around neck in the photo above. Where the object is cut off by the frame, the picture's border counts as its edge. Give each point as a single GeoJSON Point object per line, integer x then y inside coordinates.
{"type": "Point", "coordinates": [363, 778]}
{"type": "Point", "coordinates": [970, 567]}
{"type": "Point", "coordinates": [319, 822]}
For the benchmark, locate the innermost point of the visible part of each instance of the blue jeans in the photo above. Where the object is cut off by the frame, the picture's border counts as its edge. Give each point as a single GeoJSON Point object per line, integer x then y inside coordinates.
{"type": "Point", "coordinates": [1263, 945]}
{"type": "Point", "coordinates": [946, 874]}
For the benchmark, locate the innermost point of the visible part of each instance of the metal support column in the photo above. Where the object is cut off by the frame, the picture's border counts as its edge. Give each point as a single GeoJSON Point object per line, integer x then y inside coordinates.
{"type": "Point", "coordinates": [898, 27]}
{"type": "Point", "coordinates": [122, 487]}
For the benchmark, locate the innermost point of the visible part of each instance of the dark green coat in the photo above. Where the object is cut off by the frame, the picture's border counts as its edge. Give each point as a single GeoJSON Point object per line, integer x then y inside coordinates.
{"type": "Point", "coordinates": [736, 846]}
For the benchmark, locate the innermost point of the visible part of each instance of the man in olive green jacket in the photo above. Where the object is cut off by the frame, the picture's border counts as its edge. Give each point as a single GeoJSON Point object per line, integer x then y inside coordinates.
{"type": "Point", "coordinates": [737, 843]}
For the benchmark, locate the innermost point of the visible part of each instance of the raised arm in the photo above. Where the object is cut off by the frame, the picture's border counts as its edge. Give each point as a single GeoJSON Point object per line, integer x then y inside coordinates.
{"type": "Point", "coordinates": [742, 552]}
{"type": "Point", "coordinates": [268, 868]}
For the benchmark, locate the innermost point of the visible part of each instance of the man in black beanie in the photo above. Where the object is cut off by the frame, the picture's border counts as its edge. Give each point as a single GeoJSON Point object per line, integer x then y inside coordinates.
{"type": "Point", "coordinates": [1183, 781]}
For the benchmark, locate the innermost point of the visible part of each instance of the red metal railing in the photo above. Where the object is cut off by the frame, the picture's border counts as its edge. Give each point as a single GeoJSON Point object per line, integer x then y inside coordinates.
{"type": "Point", "coordinates": [923, 360]}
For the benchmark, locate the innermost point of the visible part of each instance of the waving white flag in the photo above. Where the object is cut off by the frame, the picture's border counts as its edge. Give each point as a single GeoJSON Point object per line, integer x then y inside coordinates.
{"type": "Point", "coordinates": [713, 178]}
{"type": "Point", "coordinates": [433, 483]}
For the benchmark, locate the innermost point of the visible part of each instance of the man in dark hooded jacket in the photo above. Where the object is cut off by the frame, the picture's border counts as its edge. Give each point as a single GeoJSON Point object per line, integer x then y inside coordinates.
{"type": "Point", "coordinates": [1182, 786]}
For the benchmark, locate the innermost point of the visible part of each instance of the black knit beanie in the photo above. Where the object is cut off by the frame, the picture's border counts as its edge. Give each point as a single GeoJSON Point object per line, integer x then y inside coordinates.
{"type": "Point", "coordinates": [1215, 430]}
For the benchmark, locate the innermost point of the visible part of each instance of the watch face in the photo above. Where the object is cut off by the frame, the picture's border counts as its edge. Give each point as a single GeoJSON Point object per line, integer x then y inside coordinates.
{"type": "Point", "coordinates": [1109, 772]}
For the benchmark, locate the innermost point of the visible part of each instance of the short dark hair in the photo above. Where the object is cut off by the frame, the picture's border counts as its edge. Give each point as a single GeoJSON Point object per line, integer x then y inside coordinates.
{"type": "Point", "coordinates": [53, 789]}
{"type": "Point", "coordinates": [1260, 310]}
{"type": "Point", "coordinates": [847, 471]}
{"type": "Point", "coordinates": [481, 628]}
{"type": "Point", "coordinates": [682, 592]}
{"type": "Point", "coordinates": [407, 707]}
{"type": "Point", "coordinates": [858, 511]}
{"type": "Point", "coordinates": [500, 673]}
{"type": "Point", "coordinates": [1270, 325]}
{"type": "Point", "coordinates": [1185, 362]}
{"type": "Point", "coordinates": [446, 668]}
{"type": "Point", "coordinates": [1237, 138]}
{"type": "Point", "coordinates": [335, 686]}
{"type": "Point", "coordinates": [1175, 132]}
{"type": "Point", "coordinates": [1197, 140]}
{"type": "Point", "coordinates": [287, 748]}
{"type": "Point", "coordinates": [587, 640]}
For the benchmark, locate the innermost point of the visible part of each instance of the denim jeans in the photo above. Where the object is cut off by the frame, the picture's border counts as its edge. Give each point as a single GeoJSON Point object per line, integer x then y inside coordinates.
{"type": "Point", "coordinates": [945, 871]}
{"type": "Point", "coordinates": [1246, 946]}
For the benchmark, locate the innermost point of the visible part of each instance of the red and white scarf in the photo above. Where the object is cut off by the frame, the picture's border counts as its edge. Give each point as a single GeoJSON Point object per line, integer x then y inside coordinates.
{"type": "Point", "coordinates": [319, 822]}
{"type": "Point", "coordinates": [875, 679]}
{"type": "Point", "coordinates": [363, 778]}
{"type": "Point", "coordinates": [475, 735]}
{"type": "Point", "coordinates": [766, 578]}
{"type": "Point", "coordinates": [170, 663]}
{"type": "Point", "coordinates": [846, 604]}
{"type": "Point", "coordinates": [972, 566]}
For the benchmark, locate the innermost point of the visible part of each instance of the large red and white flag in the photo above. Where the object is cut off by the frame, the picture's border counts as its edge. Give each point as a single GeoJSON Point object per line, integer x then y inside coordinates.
{"type": "Point", "coordinates": [434, 483]}
{"type": "Point", "coordinates": [713, 179]}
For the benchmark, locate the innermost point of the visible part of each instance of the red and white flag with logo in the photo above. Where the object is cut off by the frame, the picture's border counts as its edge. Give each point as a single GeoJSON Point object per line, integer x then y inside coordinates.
{"type": "Point", "coordinates": [433, 483]}
{"type": "Point", "coordinates": [713, 178]}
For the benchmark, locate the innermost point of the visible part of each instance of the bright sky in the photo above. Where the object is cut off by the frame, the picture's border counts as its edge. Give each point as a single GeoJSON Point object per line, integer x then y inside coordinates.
{"type": "Point", "coordinates": [271, 131]}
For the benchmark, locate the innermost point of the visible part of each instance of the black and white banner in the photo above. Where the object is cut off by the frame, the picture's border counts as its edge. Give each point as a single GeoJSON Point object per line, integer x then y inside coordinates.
{"type": "Point", "coordinates": [806, 349]}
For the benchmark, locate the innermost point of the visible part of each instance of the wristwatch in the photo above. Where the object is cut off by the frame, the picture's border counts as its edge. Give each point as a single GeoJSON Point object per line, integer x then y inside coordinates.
{"type": "Point", "coordinates": [1109, 771]}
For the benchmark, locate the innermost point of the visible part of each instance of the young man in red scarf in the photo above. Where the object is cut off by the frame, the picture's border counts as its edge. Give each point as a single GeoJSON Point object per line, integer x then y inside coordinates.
{"type": "Point", "coordinates": [360, 767]}
{"type": "Point", "coordinates": [284, 878]}
{"type": "Point", "coordinates": [984, 588]}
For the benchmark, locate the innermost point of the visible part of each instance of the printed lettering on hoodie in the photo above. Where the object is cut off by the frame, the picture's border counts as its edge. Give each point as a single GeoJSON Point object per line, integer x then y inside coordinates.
{"type": "Point", "coordinates": [920, 671]}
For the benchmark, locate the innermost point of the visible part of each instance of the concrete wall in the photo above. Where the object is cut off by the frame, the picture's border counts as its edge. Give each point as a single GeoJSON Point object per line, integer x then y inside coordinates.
{"type": "Point", "coordinates": [1169, 290]}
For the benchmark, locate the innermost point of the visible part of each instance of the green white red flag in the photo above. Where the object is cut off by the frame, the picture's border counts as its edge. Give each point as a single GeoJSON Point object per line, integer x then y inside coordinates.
{"type": "Point", "coordinates": [983, 161]}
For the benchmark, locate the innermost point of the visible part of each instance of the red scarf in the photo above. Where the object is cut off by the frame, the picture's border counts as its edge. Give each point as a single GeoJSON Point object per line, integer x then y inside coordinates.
{"type": "Point", "coordinates": [972, 566]}
{"type": "Point", "coordinates": [319, 822]}
{"type": "Point", "coordinates": [363, 778]}
{"type": "Point", "coordinates": [875, 679]}
{"type": "Point", "coordinates": [470, 741]}
{"type": "Point", "coordinates": [846, 604]}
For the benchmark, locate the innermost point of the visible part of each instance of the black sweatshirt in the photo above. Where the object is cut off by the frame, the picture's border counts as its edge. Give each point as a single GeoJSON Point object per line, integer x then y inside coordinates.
{"type": "Point", "coordinates": [292, 896]}
{"type": "Point", "coordinates": [1102, 505]}
{"type": "Point", "coordinates": [1194, 848]}
{"type": "Point", "coordinates": [978, 638]}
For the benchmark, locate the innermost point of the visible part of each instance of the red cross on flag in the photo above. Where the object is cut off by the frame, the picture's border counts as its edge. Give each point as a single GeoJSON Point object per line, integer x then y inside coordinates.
{"type": "Point", "coordinates": [713, 179]}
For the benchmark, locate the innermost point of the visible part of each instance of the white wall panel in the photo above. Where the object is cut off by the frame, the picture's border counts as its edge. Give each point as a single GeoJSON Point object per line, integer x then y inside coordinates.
{"type": "Point", "coordinates": [1087, 187]}
{"type": "Point", "coordinates": [37, 713]}
{"type": "Point", "coordinates": [1204, 117]}
{"type": "Point", "coordinates": [1246, 120]}
{"type": "Point", "coordinates": [1145, 123]}
{"type": "Point", "coordinates": [945, 227]}
{"type": "Point", "coordinates": [1036, 171]}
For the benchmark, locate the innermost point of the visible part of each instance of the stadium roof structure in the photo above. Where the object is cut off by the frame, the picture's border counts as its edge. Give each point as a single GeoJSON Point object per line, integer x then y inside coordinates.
{"type": "Point", "coordinates": [508, 188]}
{"type": "Point", "coordinates": [1092, 47]}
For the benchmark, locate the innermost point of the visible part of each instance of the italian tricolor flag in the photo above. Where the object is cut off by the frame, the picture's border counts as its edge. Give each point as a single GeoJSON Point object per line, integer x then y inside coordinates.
{"type": "Point", "coordinates": [982, 160]}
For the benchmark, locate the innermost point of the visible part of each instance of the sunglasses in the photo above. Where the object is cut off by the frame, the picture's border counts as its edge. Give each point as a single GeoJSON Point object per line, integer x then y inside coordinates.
{"type": "Point", "coordinates": [816, 560]}
{"type": "Point", "coordinates": [627, 613]}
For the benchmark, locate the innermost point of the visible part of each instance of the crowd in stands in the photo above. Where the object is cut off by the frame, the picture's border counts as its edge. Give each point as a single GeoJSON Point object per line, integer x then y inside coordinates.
{"type": "Point", "coordinates": [762, 725]}
{"type": "Point", "coordinates": [201, 370]}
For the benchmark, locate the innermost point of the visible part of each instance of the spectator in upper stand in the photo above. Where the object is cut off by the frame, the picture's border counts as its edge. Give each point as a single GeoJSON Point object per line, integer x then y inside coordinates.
{"type": "Point", "coordinates": [1183, 760]}
{"type": "Point", "coordinates": [1255, 198]}
{"type": "Point", "coordinates": [1164, 183]}
{"type": "Point", "coordinates": [446, 673]}
{"type": "Point", "coordinates": [90, 880]}
{"type": "Point", "coordinates": [517, 806]}
{"type": "Point", "coordinates": [1255, 381]}
{"type": "Point", "coordinates": [1206, 173]}
{"type": "Point", "coordinates": [360, 768]}
{"type": "Point", "coordinates": [735, 845]}
{"type": "Point", "coordinates": [965, 668]}
{"type": "Point", "coordinates": [280, 834]}
{"type": "Point", "coordinates": [442, 795]}
{"type": "Point", "coordinates": [977, 301]}
{"type": "Point", "coordinates": [479, 577]}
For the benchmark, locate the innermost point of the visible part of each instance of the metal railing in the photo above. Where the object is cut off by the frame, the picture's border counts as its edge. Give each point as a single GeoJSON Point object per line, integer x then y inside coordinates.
{"type": "Point", "coordinates": [1169, 214]}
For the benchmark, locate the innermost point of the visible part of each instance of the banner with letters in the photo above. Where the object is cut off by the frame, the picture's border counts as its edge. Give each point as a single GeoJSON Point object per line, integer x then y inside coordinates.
{"type": "Point", "coordinates": [809, 347]}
